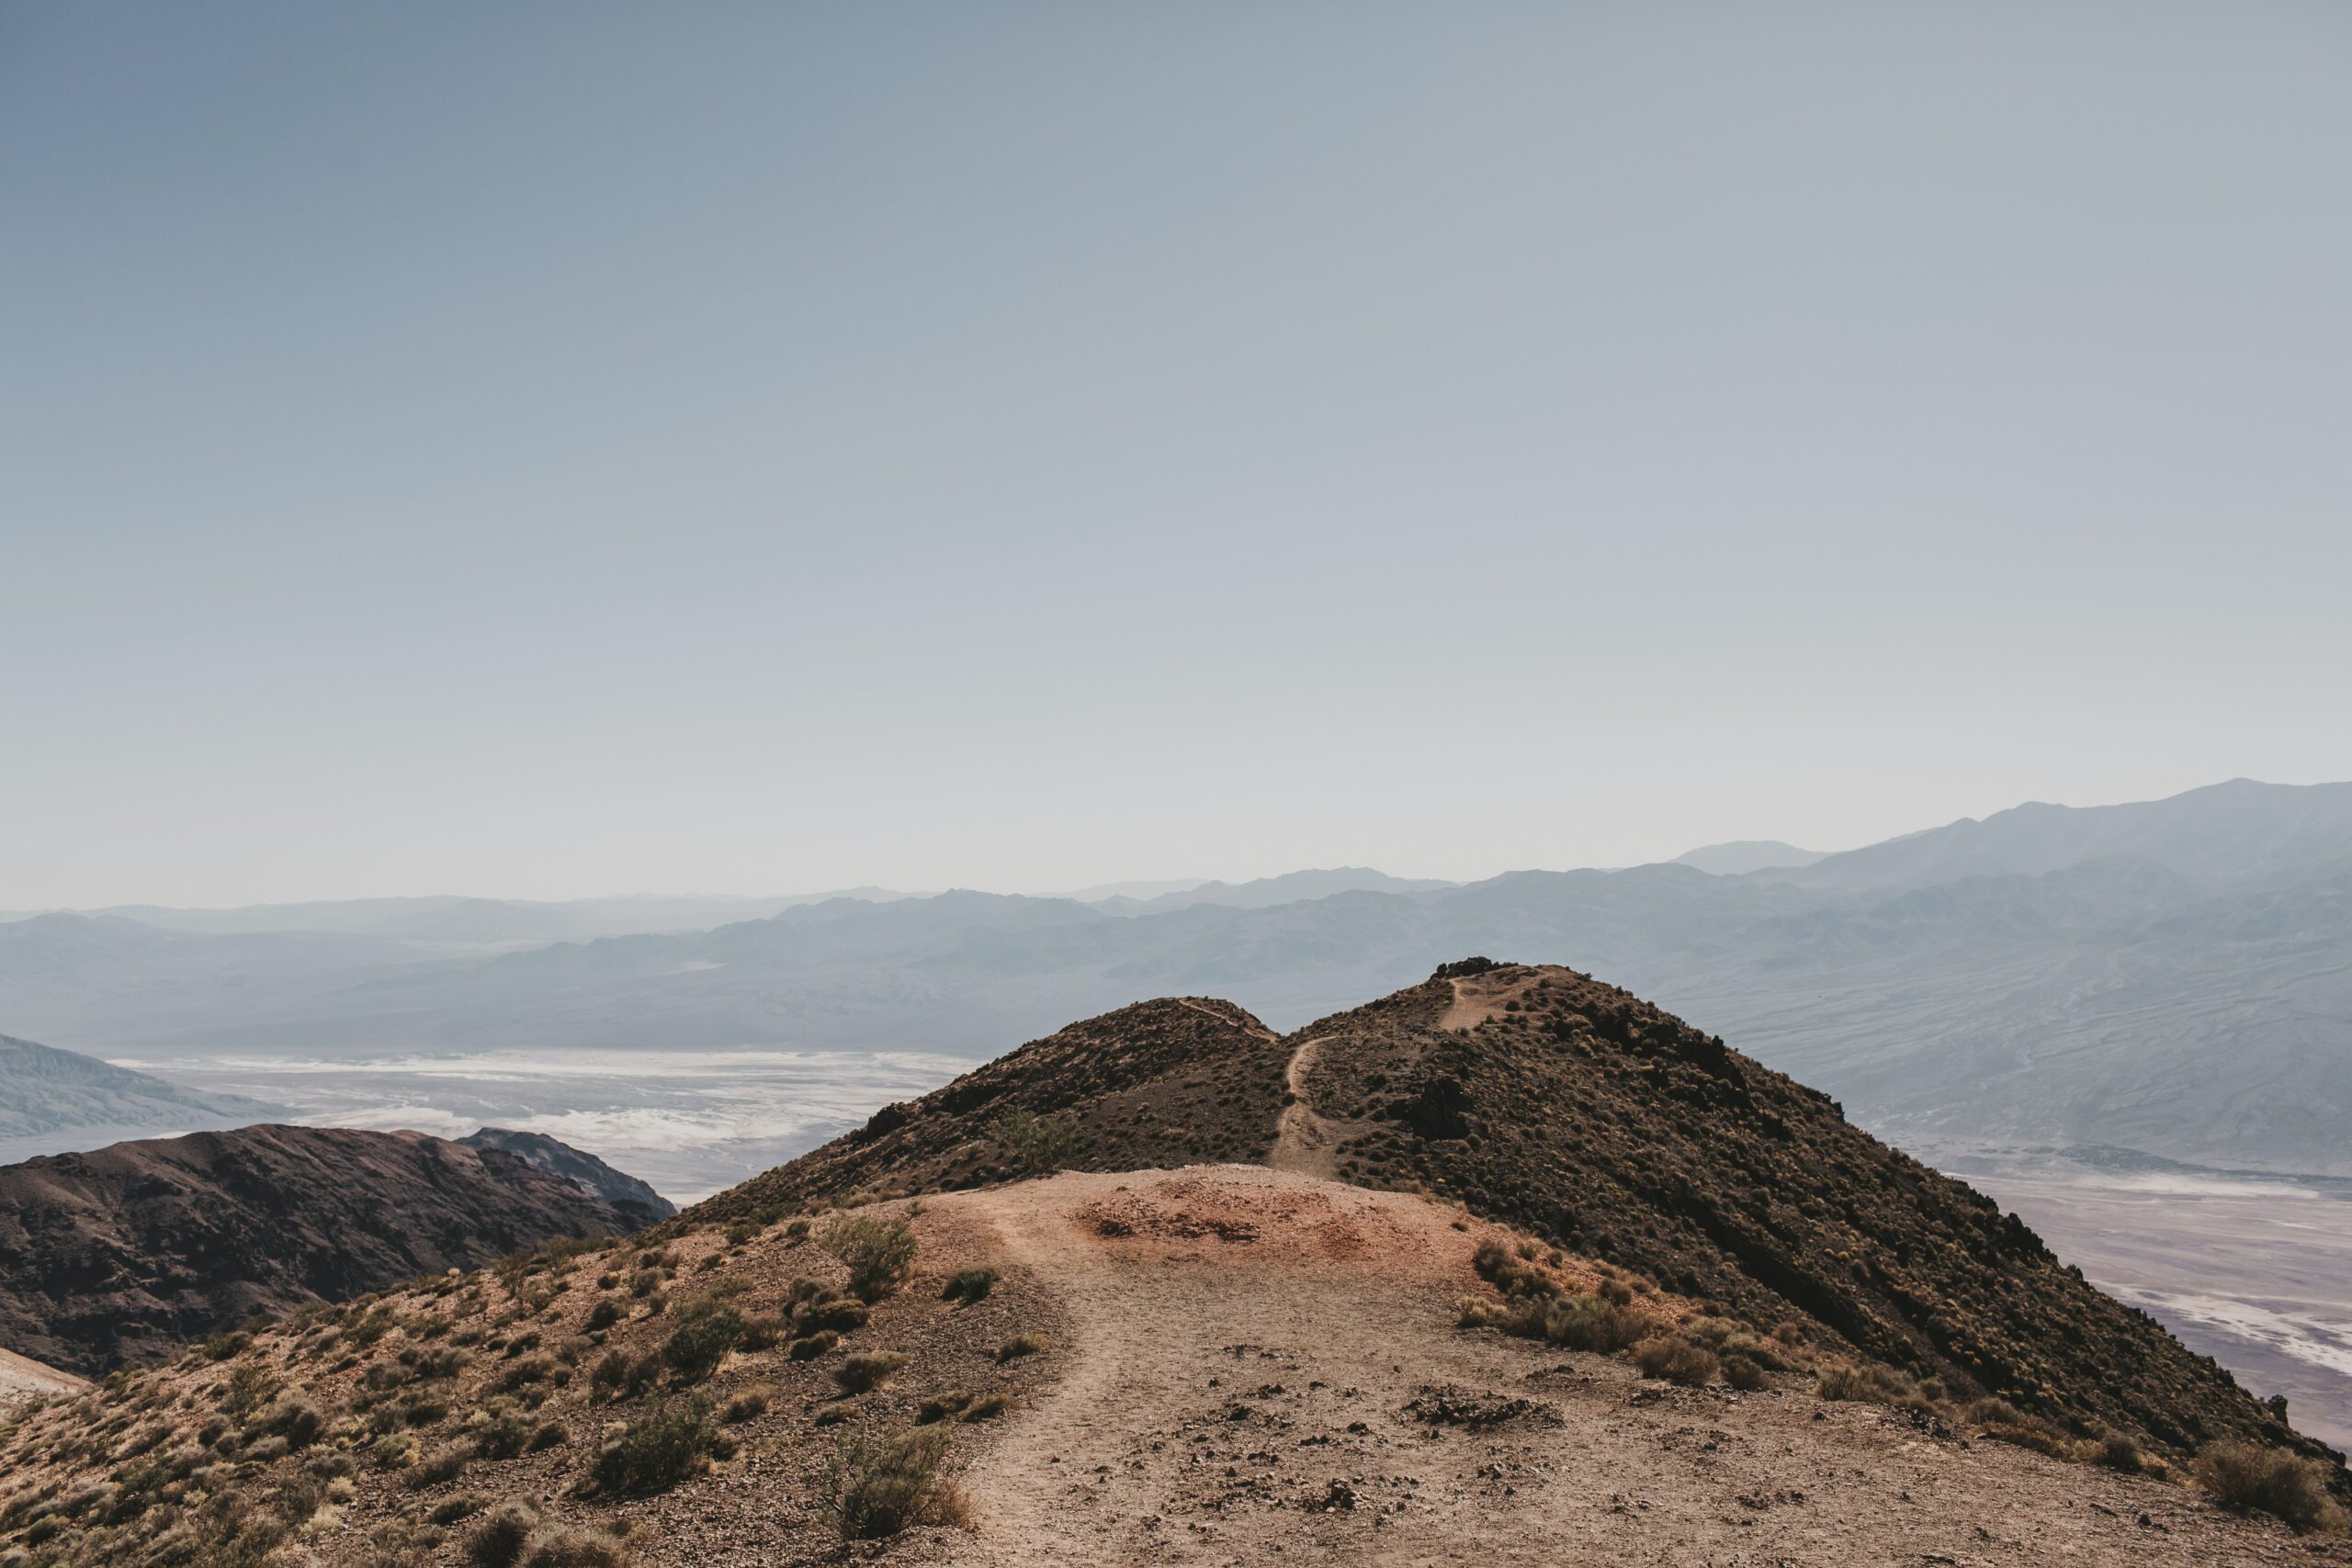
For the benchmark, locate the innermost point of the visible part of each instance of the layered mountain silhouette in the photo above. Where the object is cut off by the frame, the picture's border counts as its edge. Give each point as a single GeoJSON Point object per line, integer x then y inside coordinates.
{"type": "Point", "coordinates": [2165, 977]}
{"type": "Point", "coordinates": [43, 1089]}
{"type": "Point", "coordinates": [1541, 1098]}
{"type": "Point", "coordinates": [132, 1251]}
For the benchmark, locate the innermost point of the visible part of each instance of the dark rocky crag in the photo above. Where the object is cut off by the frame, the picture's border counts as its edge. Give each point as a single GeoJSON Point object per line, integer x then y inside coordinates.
{"type": "Point", "coordinates": [635, 1200]}
{"type": "Point", "coordinates": [129, 1252]}
{"type": "Point", "coordinates": [1549, 1101]}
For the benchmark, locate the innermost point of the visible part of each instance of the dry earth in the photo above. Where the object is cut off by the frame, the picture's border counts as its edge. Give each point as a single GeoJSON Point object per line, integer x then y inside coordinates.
{"type": "Point", "coordinates": [1252, 1353]}
{"type": "Point", "coordinates": [22, 1379]}
{"type": "Point", "coordinates": [1240, 1366]}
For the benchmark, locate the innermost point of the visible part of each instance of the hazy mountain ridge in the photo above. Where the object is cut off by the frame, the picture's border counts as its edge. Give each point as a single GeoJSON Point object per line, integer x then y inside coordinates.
{"type": "Point", "coordinates": [43, 1089]}
{"type": "Point", "coordinates": [2168, 976]}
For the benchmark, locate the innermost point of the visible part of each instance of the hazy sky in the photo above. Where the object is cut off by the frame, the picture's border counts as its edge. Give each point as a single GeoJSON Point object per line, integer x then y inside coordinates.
{"type": "Point", "coordinates": [551, 449]}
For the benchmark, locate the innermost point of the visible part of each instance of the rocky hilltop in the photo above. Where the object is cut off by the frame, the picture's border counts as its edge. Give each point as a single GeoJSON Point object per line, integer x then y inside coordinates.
{"type": "Point", "coordinates": [132, 1251]}
{"type": "Point", "coordinates": [1542, 1098]}
{"type": "Point", "coordinates": [635, 1198]}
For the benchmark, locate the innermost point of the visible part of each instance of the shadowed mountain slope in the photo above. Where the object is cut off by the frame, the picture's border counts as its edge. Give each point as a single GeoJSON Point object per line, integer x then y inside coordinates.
{"type": "Point", "coordinates": [635, 1200]}
{"type": "Point", "coordinates": [1176, 1081]}
{"type": "Point", "coordinates": [1548, 1100]}
{"type": "Point", "coordinates": [130, 1252]}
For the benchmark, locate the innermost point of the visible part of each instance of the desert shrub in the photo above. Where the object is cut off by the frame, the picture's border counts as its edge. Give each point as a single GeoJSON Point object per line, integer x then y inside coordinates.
{"type": "Point", "coordinates": [604, 1314]}
{"type": "Point", "coordinates": [747, 1403]}
{"type": "Point", "coordinates": [1742, 1373]}
{"type": "Point", "coordinates": [875, 1487]}
{"type": "Point", "coordinates": [464, 1506]}
{"type": "Point", "coordinates": [764, 1331]}
{"type": "Point", "coordinates": [988, 1407]}
{"type": "Point", "coordinates": [1677, 1359]}
{"type": "Point", "coordinates": [1020, 1345]}
{"type": "Point", "coordinates": [708, 1329]}
{"type": "Point", "coordinates": [2249, 1477]}
{"type": "Point", "coordinates": [549, 1435]}
{"type": "Point", "coordinates": [2118, 1452]}
{"type": "Point", "coordinates": [809, 1346]}
{"type": "Point", "coordinates": [393, 1451]}
{"type": "Point", "coordinates": [940, 1406]}
{"type": "Point", "coordinates": [867, 1370]}
{"type": "Point", "coordinates": [741, 1231]}
{"type": "Point", "coordinates": [656, 1452]}
{"type": "Point", "coordinates": [830, 1312]}
{"type": "Point", "coordinates": [1512, 1271]}
{"type": "Point", "coordinates": [1847, 1381]}
{"type": "Point", "coordinates": [294, 1419]}
{"type": "Point", "coordinates": [575, 1549]}
{"type": "Point", "coordinates": [440, 1465]}
{"type": "Point", "coordinates": [878, 1252]}
{"type": "Point", "coordinates": [529, 1369]}
{"type": "Point", "coordinates": [221, 1346]}
{"type": "Point", "coordinates": [498, 1541]}
{"type": "Point", "coordinates": [969, 1285]}
{"type": "Point", "coordinates": [248, 1389]}
{"type": "Point", "coordinates": [501, 1437]}
{"type": "Point", "coordinates": [1037, 1145]}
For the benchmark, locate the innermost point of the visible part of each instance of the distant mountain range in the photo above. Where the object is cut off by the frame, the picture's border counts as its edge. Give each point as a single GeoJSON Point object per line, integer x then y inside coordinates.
{"type": "Point", "coordinates": [1744, 855]}
{"type": "Point", "coordinates": [43, 1089]}
{"type": "Point", "coordinates": [2169, 976]}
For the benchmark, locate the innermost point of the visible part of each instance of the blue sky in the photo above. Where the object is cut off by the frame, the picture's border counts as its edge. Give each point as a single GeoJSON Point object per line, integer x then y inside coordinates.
{"type": "Point", "coordinates": [548, 450]}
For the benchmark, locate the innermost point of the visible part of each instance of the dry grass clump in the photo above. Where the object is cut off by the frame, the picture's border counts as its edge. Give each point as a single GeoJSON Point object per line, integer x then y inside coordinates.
{"type": "Point", "coordinates": [1677, 1359]}
{"type": "Point", "coordinates": [875, 1487]}
{"type": "Point", "coordinates": [1021, 1344]}
{"type": "Point", "coordinates": [498, 1541]}
{"type": "Point", "coordinates": [2251, 1478]}
{"type": "Point", "coordinates": [867, 1370]}
{"type": "Point", "coordinates": [748, 1404]}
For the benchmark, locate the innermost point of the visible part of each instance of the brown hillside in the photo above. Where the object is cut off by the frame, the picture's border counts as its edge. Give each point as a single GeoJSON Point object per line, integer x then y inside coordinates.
{"type": "Point", "coordinates": [1179, 1081]}
{"type": "Point", "coordinates": [131, 1252]}
{"type": "Point", "coordinates": [1546, 1099]}
{"type": "Point", "coordinates": [1218, 1365]}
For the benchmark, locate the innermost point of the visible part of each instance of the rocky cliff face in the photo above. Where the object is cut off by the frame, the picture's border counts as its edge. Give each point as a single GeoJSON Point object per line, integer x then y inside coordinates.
{"type": "Point", "coordinates": [132, 1251]}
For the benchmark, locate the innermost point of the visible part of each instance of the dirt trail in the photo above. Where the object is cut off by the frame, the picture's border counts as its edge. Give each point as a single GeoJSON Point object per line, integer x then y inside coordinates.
{"type": "Point", "coordinates": [1302, 1140]}
{"type": "Point", "coordinates": [1249, 1368]}
{"type": "Point", "coordinates": [1478, 999]}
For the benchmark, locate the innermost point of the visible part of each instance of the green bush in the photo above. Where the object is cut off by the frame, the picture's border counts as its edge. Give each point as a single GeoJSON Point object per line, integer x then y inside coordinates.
{"type": "Point", "coordinates": [708, 1329]}
{"type": "Point", "coordinates": [878, 1252]}
{"type": "Point", "coordinates": [876, 1487]}
{"type": "Point", "coordinates": [658, 1452]}
{"type": "Point", "coordinates": [1037, 1145]}
{"type": "Point", "coordinates": [969, 1285]}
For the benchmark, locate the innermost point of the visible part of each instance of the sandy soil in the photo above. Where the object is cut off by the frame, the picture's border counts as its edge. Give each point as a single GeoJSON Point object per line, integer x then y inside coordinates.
{"type": "Point", "coordinates": [1254, 1358]}
{"type": "Point", "coordinates": [21, 1378]}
